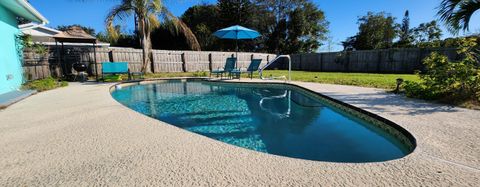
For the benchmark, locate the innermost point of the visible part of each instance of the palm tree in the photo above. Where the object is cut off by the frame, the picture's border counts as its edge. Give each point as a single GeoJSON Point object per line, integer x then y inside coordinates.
{"type": "Point", "coordinates": [147, 14]}
{"type": "Point", "coordinates": [456, 14]}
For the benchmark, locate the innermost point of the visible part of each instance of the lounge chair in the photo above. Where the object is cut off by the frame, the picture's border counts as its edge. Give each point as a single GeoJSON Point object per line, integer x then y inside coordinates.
{"type": "Point", "coordinates": [116, 68]}
{"type": "Point", "coordinates": [254, 65]}
{"type": "Point", "coordinates": [229, 66]}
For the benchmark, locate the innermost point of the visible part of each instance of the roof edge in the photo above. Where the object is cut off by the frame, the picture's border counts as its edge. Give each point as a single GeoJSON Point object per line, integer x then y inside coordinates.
{"type": "Point", "coordinates": [33, 11]}
{"type": "Point", "coordinates": [30, 26]}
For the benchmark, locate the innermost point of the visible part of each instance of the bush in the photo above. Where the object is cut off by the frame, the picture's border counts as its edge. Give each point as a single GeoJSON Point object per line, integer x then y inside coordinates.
{"type": "Point", "coordinates": [456, 81]}
{"type": "Point", "coordinates": [44, 84]}
{"type": "Point", "coordinates": [200, 74]}
{"type": "Point", "coordinates": [419, 90]}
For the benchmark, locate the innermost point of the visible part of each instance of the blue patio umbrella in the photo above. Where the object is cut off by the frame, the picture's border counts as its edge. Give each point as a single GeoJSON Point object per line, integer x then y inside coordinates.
{"type": "Point", "coordinates": [236, 33]}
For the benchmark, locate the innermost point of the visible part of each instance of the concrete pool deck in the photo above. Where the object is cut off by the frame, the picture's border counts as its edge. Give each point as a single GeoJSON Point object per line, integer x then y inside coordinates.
{"type": "Point", "coordinates": [80, 136]}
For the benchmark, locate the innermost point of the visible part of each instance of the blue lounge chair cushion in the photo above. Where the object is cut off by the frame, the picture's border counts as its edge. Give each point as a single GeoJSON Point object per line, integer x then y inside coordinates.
{"type": "Point", "coordinates": [114, 67]}
{"type": "Point", "coordinates": [254, 65]}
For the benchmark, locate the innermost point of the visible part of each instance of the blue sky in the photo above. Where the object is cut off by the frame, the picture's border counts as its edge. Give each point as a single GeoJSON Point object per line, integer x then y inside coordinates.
{"type": "Point", "coordinates": [342, 14]}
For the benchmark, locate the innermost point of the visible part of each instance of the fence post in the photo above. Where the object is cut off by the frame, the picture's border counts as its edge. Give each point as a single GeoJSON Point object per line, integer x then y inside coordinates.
{"type": "Point", "coordinates": [110, 56]}
{"type": "Point", "coordinates": [152, 65]}
{"type": "Point", "coordinates": [210, 62]}
{"type": "Point", "coordinates": [320, 55]}
{"type": "Point", "coordinates": [300, 62]}
{"type": "Point", "coordinates": [184, 64]}
{"type": "Point", "coordinates": [347, 61]}
{"type": "Point", "coordinates": [379, 60]}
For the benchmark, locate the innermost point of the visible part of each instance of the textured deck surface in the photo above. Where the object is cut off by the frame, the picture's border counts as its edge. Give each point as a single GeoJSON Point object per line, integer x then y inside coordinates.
{"type": "Point", "coordinates": [9, 98]}
{"type": "Point", "coordinates": [80, 136]}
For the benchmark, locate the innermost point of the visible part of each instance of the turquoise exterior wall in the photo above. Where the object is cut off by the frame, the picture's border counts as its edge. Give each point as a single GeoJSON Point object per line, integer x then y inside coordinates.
{"type": "Point", "coordinates": [11, 72]}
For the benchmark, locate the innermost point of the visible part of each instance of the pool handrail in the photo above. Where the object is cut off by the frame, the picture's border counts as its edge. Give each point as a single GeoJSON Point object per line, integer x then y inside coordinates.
{"type": "Point", "coordinates": [260, 71]}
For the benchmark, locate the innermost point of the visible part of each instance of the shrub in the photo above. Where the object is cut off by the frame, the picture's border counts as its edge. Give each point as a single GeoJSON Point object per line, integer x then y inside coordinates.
{"type": "Point", "coordinates": [200, 74]}
{"type": "Point", "coordinates": [452, 80]}
{"type": "Point", "coordinates": [420, 90]}
{"type": "Point", "coordinates": [44, 84]}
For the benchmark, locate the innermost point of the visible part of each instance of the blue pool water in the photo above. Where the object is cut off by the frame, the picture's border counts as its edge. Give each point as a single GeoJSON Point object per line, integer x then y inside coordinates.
{"type": "Point", "coordinates": [275, 119]}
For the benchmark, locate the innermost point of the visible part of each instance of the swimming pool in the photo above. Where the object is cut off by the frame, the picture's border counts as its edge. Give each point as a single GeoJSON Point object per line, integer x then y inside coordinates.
{"type": "Point", "coordinates": [278, 119]}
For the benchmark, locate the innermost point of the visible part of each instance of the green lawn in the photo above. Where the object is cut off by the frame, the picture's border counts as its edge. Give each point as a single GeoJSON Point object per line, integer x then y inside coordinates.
{"type": "Point", "coordinates": [357, 79]}
{"type": "Point", "coordinates": [386, 81]}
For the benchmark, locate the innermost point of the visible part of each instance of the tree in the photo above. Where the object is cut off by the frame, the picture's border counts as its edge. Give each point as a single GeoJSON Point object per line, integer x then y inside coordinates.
{"type": "Point", "coordinates": [146, 13]}
{"type": "Point", "coordinates": [405, 36]}
{"type": "Point", "coordinates": [206, 19]}
{"type": "Point", "coordinates": [427, 32]}
{"type": "Point", "coordinates": [121, 39]}
{"type": "Point", "coordinates": [88, 30]}
{"type": "Point", "coordinates": [456, 14]}
{"type": "Point", "coordinates": [306, 28]}
{"type": "Point", "coordinates": [349, 43]}
{"type": "Point", "coordinates": [235, 12]}
{"type": "Point", "coordinates": [376, 31]}
{"type": "Point", "coordinates": [296, 26]}
{"type": "Point", "coordinates": [286, 26]}
{"type": "Point", "coordinates": [168, 39]}
{"type": "Point", "coordinates": [277, 34]}
{"type": "Point", "coordinates": [203, 20]}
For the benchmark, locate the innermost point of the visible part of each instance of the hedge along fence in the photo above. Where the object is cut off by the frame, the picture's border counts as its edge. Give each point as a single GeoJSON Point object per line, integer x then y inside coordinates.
{"type": "Point", "coordinates": [369, 61]}
{"type": "Point", "coordinates": [36, 67]}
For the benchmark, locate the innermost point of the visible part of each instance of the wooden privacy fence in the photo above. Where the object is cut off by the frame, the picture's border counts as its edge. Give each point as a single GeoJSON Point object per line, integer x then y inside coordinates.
{"type": "Point", "coordinates": [41, 66]}
{"type": "Point", "coordinates": [373, 61]}
{"type": "Point", "coordinates": [36, 66]}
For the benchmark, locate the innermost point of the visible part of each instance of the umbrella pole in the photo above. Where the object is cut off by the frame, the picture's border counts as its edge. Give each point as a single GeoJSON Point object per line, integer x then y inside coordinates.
{"type": "Point", "coordinates": [236, 47]}
{"type": "Point", "coordinates": [236, 55]}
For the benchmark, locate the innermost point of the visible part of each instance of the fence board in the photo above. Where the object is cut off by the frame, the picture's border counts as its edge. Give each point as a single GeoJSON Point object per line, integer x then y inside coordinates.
{"type": "Point", "coordinates": [197, 61]}
{"type": "Point", "coordinates": [165, 61]}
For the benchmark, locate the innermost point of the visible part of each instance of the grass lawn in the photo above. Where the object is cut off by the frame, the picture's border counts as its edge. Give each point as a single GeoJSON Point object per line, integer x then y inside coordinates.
{"type": "Point", "coordinates": [387, 81]}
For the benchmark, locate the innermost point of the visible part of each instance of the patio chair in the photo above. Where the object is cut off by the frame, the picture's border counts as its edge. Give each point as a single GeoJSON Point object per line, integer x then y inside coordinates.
{"type": "Point", "coordinates": [117, 68]}
{"type": "Point", "coordinates": [254, 65]}
{"type": "Point", "coordinates": [229, 66]}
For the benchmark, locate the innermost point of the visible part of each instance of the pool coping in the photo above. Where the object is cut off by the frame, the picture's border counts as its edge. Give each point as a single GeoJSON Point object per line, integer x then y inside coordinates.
{"type": "Point", "coordinates": [106, 143]}
{"type": "Point", "coordinates": [409, 142]}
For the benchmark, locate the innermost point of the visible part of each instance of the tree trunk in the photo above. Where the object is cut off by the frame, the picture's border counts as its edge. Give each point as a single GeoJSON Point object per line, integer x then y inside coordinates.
{"type": "Point", "coordinates": [146, 45]}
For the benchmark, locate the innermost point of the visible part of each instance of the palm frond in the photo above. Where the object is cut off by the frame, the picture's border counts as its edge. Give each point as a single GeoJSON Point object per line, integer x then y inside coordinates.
{"type": "Point", "coordinates": [456, 14]}
{"type": "Point", "coordinates": [155, 6]}
{"type": "Point", "coordinates": [153, 22]}
{"type": "Point", "coordinates": [180, 26]}
{"type": "Point", "coordinates": [446, 8]}
{"type": "Point", "coordinates": [120, 12]}
{"type": "Point", "coordinates": [465, 12]}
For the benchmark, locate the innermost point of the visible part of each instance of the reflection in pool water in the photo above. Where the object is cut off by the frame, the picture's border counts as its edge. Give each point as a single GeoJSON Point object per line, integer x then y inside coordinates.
{"type": "Point", "coordinates": [280, 120]}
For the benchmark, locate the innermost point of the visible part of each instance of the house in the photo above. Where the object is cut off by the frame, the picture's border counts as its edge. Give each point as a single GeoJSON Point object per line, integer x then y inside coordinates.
{"type": "Point", "coordinates": [11, 71]}
{"type": "Point", "coordinates": [45, 35]}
